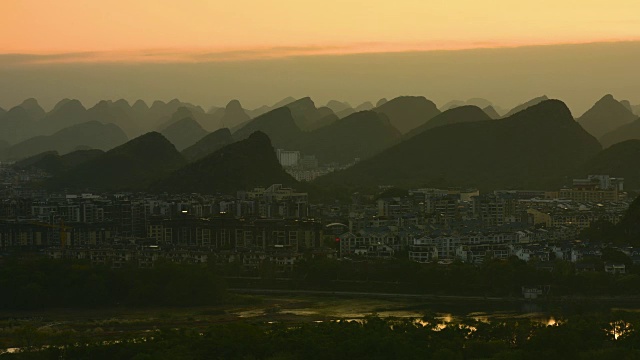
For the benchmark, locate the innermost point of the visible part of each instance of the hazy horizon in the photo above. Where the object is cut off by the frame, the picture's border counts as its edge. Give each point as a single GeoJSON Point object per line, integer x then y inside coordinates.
{"type": "Point", "coordinates": [578, 74]}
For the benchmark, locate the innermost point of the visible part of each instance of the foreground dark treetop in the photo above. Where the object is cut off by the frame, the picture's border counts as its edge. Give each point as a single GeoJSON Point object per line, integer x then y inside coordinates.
{"type": "Point", "coordinates": [532, 149]}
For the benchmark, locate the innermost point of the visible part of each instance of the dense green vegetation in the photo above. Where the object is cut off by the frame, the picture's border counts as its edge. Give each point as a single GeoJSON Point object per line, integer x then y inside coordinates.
{"type": "Point", "coordinates": [493, 278]}
{"type": "Point", "coordinates": [626, 232]}
{"type": "Point", "coordinates": [603, 336]}
{"type": "Point", "coordinates": [42, 283]}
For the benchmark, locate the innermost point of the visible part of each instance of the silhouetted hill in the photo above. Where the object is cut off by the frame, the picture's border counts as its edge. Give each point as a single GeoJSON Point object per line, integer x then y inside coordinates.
{"type": "Point", "coordinates": [337, 106]}
{"type": "Point", "coordinates": [306, 115]}
{"type": "Point", "coordinates": [629, 226]}
{"type": "Point", "coordinates": [140, 107]}
{"type": "Point", "coordinates": [460, 114]}
{"type": "Point", "coordinates": [208, 145]}
{"type": "Point", "coordinates": [66, 113]}
{"type": "Point", "coordinates": [131, 166]}
{"type": "Point", "coordinates": [636, 109]}
{"type": "Point", "coordinates": [160, 113]}
{"type": "Point", "coordinates": [54, 164]}
{"type": "Point", "coordinates": [35, 111]}
{"type": "Point", "coordinates": [118, 113]}
{"type": "Point", "coordinates": [532, 102]}
{"type": "Point", "coordinates": [359, 135]}
{"type": "Point", "coordinates": [265, 108]}
{"type": "Point", "coordinates": [627, 105]}
{"type": "Point", "coordinates": [381, 102]}
{"type": "Point", "coordinates": [92, 134]}
{"type": "Point", "coordinates": [619, 160]}
{"type": "Point", "coordinates": [234, 115]}
{"type": "Point", "coordinates": [17, 125]}
{"type": "Point", "coordinates": [238, 166]}
{"type": "Point", "coordinates": [625, 132]}
{"type": "Point", "coordinates": [491, 112]}
{"type": "Point", "coordinates": [345, 113]}
{"type": "Point", "coordinates": [533, 149]}
{"type": "Point", "coordinates": [278, 124]}
{"type": "Point", "coordinates": [605, 116]}
{"type": "Point", "coordinates": [184, 133]}
{"type": "Point", "coordinates": [479, 102]}
{"type": "Point", "coordinates": [408, 112]}
{"type": "Point", "coordinates": [365, 106]}
{"type": "Point", "coordinates": [451, 105]}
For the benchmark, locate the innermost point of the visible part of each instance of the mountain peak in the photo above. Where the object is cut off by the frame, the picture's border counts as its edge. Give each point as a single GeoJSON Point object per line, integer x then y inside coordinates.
{"type": "Point", "coordinates": [302, 104]}
{"type": "Point", "coordinates": [31, 106]}
{"type": "Point", "coordinates": [140, 105]}
{"type": "Point", "coordinates": [408, 112]}
{"type": "Point", "coordinates": [29, 103]}
{"type": "Point", "coordinates": [260, 137]}
{"type": "Point", "coordinates": [605, 116]}
{"type": "Point", "coordinates": [245, 164]}
{"type": "Point", "coordinates": [491, 112]}
{"type": "Point", "coordinates": [286, 101]}
{"type": "Point", "coordinates": [233, 105]}
{"type": "Point", "coordinates": [526, 105]}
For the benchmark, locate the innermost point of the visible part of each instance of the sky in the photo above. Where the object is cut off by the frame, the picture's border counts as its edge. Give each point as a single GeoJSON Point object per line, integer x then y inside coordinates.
{"type": "Point", "coordinates": [212, 51]}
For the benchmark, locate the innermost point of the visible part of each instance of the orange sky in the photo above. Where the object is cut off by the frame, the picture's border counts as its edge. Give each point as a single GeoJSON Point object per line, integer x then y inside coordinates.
{"type": "Point", "coordinates": [199, 30]}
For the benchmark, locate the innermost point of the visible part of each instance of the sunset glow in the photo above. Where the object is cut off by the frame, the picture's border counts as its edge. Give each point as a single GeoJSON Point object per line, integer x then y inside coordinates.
{"type": "Point", "coordinates": [202, 31]}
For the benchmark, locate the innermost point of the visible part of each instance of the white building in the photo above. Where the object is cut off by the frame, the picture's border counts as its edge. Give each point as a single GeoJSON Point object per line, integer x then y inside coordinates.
{"type": "Point", "coordinates": [288, 158]}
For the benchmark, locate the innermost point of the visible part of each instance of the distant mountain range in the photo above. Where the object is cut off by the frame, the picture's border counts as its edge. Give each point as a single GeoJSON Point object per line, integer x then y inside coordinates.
{"type": "Point", "coordinates": [358, 135]}
{"type": "Point", "coordinates": [408, 112]}
{"type": "Point", "coordinates": [207, 145]}
{"type": "Point", "coordinates": [131, 166]}
{"type": "Point", "coordinates": [239, 166]}
{"type": "Point", "coordinates": [335, 133]}
{"type": "Point", "coordinates": [184, 133]}
{"type": "Point", "coordinates": [620, 160]}
{"type": "Point", "coordinates": [54, 163]}
{"type": "Point", "coordinates": [606, 116]}
{"type": "Point", "coordinates": [534, 148]}
{"type": "Point", "coordinates": [523, 106]}
{"type": "Point", "coordinates": [455, 115]}
{"type": "Point", "coordinates": [90, 134]}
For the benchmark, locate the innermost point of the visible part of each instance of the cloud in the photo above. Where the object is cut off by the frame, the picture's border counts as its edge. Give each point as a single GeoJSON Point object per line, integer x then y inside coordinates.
{"type": "Point", "coordinates": [236, 55]}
